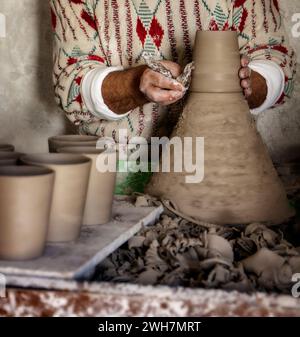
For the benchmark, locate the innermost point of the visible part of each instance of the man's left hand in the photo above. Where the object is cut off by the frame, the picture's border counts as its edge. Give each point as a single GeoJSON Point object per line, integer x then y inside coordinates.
{"type": "Point", "coordinates": [245, 76]}
{"type": "Point", "coordinates": [254, 85]}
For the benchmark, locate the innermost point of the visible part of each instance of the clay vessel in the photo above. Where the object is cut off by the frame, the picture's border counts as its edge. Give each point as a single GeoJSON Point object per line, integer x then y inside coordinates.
{"type": "Point", "coordinates": [71, 140]}
{"type": "Point", "coordinates": [70, 189]}
{"type": "Point", "coordinates": [240, 183]}
{"type": "Point", "coordinates": [25, 202]}
{"type": "Point", "coordinates": [217, 63]}
{"type": "Point", "coordinates": [98, 207]}
{"type": "Point", "coordinates": [7, 148]}
{"type": "Point", "coordinates": [9, 158]}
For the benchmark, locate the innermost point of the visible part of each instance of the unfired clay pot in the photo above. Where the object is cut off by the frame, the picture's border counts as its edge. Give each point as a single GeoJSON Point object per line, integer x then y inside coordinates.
{"type": "Point", "coordinates": [71, 140]}
{"type": "Point", "coordinates": [7, 148]}
{"type": "Point", "coordinates": [9, 158]}
{"type": "Point", "coordinates": [98, 207]}
{"type": "Point", "coordinates": [240, 184]}
{"type": "Point", "coordinates": [70, 189]}
{"type": "Point", "coordinates": [25, 202]}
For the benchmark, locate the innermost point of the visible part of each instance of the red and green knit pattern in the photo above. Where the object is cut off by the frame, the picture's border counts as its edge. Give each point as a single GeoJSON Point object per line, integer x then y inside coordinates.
{"type": "Point", "coordinates": [97, 33]}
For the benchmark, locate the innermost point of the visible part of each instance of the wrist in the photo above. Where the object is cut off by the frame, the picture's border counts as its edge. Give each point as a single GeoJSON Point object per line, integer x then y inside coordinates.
{"type": "Point", "coordinates": [133, 83]}
{"type": "Point", "coordinates": [121, 90]}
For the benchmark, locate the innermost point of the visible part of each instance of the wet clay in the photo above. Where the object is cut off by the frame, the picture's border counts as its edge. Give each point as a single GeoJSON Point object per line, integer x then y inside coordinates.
{"type": "Point", "coordinates": [177, 252]}
{"type": "Point", "coordinates": [240, 184]}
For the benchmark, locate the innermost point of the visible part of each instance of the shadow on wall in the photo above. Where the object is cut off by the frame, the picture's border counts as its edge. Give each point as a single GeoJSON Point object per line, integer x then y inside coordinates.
{"type": "Point", "coordinates": [45, 61]}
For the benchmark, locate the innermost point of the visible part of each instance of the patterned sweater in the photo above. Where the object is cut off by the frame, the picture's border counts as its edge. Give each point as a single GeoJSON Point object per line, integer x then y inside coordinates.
{"type": "Point", "coordinates": [103, 33]}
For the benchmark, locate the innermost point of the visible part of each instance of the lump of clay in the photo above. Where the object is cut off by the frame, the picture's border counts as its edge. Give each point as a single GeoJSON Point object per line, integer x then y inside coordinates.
{"type": "Point", "coordinates": [219, 275]}
{"type": "Point", "coordinates": [148, 277]}
{"type": "Point", "coordinates": [221, 245]}
{"type": "Point", "coordinates": [263, 260]}
{"type": "Point", "coordinates": [263, 236]}
{"type": "Point", "coordinates": [153, 259]}
{"type": "Point", "coordinates": [136, 242]}
{"type": "Point", "coordinates": [177, 252]}
{"type": "Point", "coordinates": [141, 201]}
{"type": "Point", "coordinates": [211, 262]}
{"type": "Point", "coordinates": [244, 247]}
{"type": "Point", "coordinates": [271, 269]}
{"type": "Point", "coordinates": [295, 264]}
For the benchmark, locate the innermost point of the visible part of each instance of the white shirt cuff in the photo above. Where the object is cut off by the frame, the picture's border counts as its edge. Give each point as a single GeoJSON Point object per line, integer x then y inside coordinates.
{"type": "Point", "coordinates": [92, 93]}
{"type": "Point", "coordinates": [275, 79]}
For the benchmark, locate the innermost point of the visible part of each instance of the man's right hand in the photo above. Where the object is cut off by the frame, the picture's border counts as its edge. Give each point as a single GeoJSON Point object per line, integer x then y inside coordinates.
{"type": "Point", "coordinates": [126, 90]}
{"type": "Point", "coordinates": [160, 89]}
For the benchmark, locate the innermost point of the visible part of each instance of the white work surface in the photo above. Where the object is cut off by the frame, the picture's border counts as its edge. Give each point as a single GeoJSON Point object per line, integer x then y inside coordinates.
{"type": "Point", "coordinates": [77, 260]}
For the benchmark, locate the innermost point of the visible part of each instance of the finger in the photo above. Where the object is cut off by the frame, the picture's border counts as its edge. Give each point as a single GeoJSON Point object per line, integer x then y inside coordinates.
{"type": "Point", "coordinates": [163, 82]}
{"type": "Point", "coordinates": [245, 61]}
{"type": "Point", "coordinates": [171, 101]}
{"type": "Point", "coordinates": [244, 73]}
{"type": "Point", "coordinates": [164, 96]}
{"type": "Point", "coordinates": [248, 92]}
{"type": "Point", "coordinates": [174, 68]}
{"type": "Point", "coordinates": [246, 83]}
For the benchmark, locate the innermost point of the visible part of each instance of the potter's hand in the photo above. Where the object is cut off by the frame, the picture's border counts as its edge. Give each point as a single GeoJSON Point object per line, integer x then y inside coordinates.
{"type": "Point", "coordinates": [254, 85]}
{"type": "Point", "coordinates": [160, 89]}
{"type": "Point", "coordinates": [245, 76]}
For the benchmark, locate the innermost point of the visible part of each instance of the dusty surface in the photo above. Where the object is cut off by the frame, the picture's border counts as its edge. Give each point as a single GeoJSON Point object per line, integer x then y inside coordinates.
{"type": "Point", "coordinates": [131, 300]}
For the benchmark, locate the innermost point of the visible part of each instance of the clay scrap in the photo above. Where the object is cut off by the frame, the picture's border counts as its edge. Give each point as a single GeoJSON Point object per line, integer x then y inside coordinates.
{"type": "Point", "coordinates": [177, 252]}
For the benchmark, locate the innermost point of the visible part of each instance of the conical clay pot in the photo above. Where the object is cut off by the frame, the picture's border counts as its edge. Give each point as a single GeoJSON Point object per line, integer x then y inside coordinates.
{"type": "Point", "coordinates": [99, 201]}
{"type": "Point", "coordinates": [71, 140]}
{"type": "Point", "coordinates": [9, 158]}
{"type": "Point", "coordinates": [25, 202]}
{"type": "Point", "coordinates": [6, 148]}
{"type": "Point", "coordinates": [69, 195]}
{"type": "Point", "coordinates": [240, 184]}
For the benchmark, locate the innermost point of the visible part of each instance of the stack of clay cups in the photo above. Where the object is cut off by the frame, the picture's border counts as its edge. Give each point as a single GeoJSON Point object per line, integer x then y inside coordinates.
{"type": "Point", "coordinates": [58, 142]}
{"type": "Point", "coordinates": [69, 194]}
{"type": "Point", "coordinates": [9, 158]}
{"type": "Point", "coordinates": [51, 196]}
{"type": "Point", "coordinates": [25, 201]}
{"type": "Point", "coordinates": [98, 207]}
{"type": "Point", "coordinates": [6, 148]}
{"type": "Point", "coordinates": [7, 155]}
